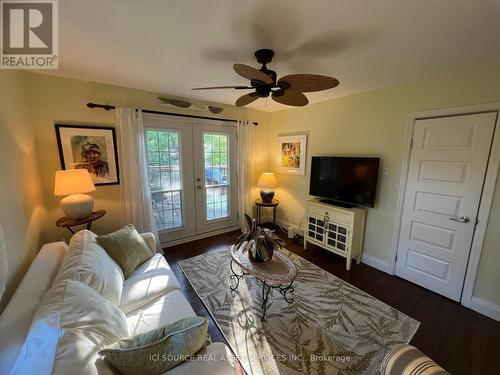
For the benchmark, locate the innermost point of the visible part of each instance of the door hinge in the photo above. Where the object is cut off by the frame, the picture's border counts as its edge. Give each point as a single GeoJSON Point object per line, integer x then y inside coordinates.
{"type": "Point", "coordinates": [411, 144]}
{"type": "Point", "coordinates": [396, 260]}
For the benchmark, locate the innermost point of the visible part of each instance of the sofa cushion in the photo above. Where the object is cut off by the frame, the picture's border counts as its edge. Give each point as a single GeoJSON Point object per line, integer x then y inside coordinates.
{"type": "Point", "coordinates": [89, 323]}
{"type": "Point", "coordinates": [170, 344]}
{"type": "Point", "coordinates": [127, 248]}
{"type": "Point", "coordinates": [87, 262]}
{"type": "Point", "coordinates": [16, 319]}
{"type": "Point", "coordinates": [152, 279]}
{"type": "Point", "coordinates": [150, 240]}
{"type": "Point", "coordinates": [162, 311]}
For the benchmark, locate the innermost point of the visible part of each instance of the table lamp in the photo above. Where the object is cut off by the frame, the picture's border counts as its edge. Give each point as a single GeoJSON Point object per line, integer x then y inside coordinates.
{"type": "Point", "coordinates": [74, 182]}
{"type": "Point", "coordinates": [266, 182]}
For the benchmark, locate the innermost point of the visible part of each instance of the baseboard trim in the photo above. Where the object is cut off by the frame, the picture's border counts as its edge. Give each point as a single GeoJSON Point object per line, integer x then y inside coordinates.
{"type": "Point", "coordinates": [165, 245]}
{"type": "Point", "coordinates": [485, 307]}
{"type": "Point", "coordinates": [376, 263]}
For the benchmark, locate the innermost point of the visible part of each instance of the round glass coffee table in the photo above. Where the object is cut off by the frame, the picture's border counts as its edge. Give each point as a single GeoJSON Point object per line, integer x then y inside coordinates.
{"type": "Point", "coordinates": [278, 273]}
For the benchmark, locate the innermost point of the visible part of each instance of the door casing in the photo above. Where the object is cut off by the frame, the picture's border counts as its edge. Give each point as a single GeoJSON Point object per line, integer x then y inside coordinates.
{"type": "Point", "coordinates": [486, 198]}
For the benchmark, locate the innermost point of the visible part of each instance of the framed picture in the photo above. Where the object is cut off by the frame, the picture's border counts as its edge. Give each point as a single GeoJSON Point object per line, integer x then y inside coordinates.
{"type": "Point", "coordinates": [89, 147]}
{"type": "Point", "coordinates": [291, 154]}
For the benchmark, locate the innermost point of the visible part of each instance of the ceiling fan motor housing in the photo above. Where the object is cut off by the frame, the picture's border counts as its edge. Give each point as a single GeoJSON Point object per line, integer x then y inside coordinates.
{"type": "Point", "coordinates": [264, 56]}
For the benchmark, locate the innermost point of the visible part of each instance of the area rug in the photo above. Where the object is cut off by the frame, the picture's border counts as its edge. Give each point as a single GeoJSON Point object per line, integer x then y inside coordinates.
{"type": "Point", "coordinates": [331, 327]}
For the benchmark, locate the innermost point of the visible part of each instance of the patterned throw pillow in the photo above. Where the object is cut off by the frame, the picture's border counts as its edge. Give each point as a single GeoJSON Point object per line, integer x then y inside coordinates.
{"type": "Point", "coordinates": [159, 350]}
{"type": "Point", "coordinates": [127, 248]}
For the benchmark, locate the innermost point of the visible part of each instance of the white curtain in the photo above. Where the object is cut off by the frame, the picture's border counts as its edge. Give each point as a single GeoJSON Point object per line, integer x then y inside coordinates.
{"type": "Point", "coordinates": [245, 171]}
{"type": "Point", "coordinates": [135, 192]}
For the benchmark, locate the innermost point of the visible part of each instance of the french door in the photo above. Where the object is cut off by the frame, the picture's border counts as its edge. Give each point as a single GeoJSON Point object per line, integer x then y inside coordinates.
{"type": "Point", "coordinates": [192, 174]}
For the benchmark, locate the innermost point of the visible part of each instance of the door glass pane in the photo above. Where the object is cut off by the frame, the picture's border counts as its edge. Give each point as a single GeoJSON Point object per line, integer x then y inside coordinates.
{"type": "Point", "coordinates": [216, 164]}
{"type": "Point", "coordinates": [165, 179]}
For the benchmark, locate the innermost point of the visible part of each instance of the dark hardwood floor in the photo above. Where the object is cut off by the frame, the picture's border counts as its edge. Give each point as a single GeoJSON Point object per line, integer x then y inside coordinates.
{"type": "Point", "coordinates": [459, 339]}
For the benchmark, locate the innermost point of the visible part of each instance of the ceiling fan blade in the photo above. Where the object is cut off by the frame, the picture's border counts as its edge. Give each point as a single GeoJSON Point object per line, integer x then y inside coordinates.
{"type": "Point", "coordinates": [251, 73]}
{"type": "Point", "coordinates": [288, 97]}
{"type": "Point", "coordinates": [308, 82]}
{"type": "Point", "coordinates": [246, 99]}
{"type": "Point", "coordinates": [223, 87]}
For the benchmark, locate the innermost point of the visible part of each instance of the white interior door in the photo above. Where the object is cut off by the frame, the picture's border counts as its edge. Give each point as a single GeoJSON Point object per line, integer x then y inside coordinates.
{"type": "Point", "coordinates": [445, 180]}
{"type": "Point", "coordinates": [177, 152]}
{"type": "Point", "coordinates": [215, 177]}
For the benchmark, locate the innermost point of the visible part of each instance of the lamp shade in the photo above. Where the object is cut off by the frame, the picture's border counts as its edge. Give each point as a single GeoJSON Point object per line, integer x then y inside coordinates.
{"type": "Point", "coordinates": [73, 181]}
{"type": "Point", "coordinates": [267, 180]}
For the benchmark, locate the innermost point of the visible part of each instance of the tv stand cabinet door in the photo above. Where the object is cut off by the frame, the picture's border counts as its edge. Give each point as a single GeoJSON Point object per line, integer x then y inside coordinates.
{"type": "Point", "coordinates": [315, 231]}
{"type": "Point", "coordinates": [338, 237]}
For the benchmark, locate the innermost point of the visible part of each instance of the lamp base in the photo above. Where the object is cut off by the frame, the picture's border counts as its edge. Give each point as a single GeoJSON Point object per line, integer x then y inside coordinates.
{"type": "Point", "coordinates": [267, 196]}
{"type": "Point", "coordinates": [77, 206]}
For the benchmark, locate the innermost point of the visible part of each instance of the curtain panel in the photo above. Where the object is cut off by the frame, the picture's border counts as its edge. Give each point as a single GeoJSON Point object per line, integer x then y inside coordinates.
{"type": "Point", "coordinates": [245, 171]}
{"type": "Point", "coordinates": [135, 193]}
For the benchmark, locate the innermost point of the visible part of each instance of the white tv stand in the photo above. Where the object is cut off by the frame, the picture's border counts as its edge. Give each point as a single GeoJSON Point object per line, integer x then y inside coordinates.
{"type": "Point", "coordinates": [336, 229]}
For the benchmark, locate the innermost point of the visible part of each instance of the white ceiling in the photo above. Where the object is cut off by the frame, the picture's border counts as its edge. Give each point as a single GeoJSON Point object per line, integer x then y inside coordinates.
{"type": "Point", "coordinates": [171, 46]}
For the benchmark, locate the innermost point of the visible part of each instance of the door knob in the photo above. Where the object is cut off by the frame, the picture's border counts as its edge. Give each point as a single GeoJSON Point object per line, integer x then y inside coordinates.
{"type": "Point", "coordinates": [461, 219]}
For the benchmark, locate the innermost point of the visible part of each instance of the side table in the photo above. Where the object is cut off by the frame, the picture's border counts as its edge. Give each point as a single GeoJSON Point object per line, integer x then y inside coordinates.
{"type": "Point", "coordinates": [67, 222]}
{"type": "Point", "coordinates": [259, 203]}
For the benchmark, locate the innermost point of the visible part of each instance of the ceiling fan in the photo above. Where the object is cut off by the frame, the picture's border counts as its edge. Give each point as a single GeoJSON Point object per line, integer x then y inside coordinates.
{"type": "Point", "coordinates": [287, 90]}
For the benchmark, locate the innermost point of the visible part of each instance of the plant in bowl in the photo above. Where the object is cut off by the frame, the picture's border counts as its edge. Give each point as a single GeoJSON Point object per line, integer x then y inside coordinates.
{"type": "Point", "coordinates": [259, 242]}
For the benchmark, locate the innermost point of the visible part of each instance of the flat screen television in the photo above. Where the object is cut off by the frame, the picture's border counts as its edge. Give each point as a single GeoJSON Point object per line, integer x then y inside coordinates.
{"type": "Point", "coordinates": [348, 181]}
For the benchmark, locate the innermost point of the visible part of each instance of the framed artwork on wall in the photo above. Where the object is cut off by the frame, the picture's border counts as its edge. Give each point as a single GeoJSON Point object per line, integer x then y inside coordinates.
{"type": "Point", "coordinates": [89, 147]}
{"type": "Point", "coordinates": [291, 154]}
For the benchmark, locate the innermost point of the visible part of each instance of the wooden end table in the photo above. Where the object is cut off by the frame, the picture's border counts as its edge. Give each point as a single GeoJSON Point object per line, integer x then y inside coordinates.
{"type": "Point", "coordinates": [67, 222]}
{"type": "Point", "coordinates": [278, 273]}
{"type": "Point", "coordinates": [259, 203]}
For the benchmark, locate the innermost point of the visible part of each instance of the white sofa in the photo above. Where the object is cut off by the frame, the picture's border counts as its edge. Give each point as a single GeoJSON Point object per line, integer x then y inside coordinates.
{"type": "Point", "coordinates": [149, 298]}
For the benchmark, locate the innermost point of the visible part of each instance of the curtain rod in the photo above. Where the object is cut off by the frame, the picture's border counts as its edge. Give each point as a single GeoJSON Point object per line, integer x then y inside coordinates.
{"type": "Point", "coordinates": [107, 107]}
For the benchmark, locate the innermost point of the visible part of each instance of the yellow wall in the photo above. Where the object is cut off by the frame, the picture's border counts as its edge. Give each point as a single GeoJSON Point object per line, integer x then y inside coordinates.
{"type": "Point", "coordinates": [61, 100]}
{"type": "Point", "coordinates": [21, 204]}
{"type": "Point", "coordinates": [375, 123]}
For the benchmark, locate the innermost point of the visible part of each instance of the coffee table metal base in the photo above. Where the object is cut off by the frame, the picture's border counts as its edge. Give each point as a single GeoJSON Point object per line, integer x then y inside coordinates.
{"type": "Point", "coordinates": [266, 288]}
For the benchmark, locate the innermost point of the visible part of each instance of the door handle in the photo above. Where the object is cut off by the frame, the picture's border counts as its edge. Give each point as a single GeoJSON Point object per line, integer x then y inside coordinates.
{"type": "Point", "coordinates": [198, 187]}
{"type": "Point", "coordinates": [461, 219]}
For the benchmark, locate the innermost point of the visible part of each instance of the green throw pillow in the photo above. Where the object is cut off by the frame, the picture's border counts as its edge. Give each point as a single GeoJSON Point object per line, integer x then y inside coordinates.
{"type": "Point", "coordinates": [159, 350]}
{"type": "Point", "coordinates": [127, 248]}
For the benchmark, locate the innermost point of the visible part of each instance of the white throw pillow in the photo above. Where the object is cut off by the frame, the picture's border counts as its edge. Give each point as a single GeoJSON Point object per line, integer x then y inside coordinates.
{"type": "Point", "coordinates": [87, 262]}
{"type": "Point", "coordinates": [88, 321]}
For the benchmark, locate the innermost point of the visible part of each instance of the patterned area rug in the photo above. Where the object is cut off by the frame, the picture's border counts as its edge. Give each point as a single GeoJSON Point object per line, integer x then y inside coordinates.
{"type": "Point", "coordinates": [331, 327]}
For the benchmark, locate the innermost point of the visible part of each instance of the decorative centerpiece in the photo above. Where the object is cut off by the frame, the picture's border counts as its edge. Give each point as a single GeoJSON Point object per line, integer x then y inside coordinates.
{"type": "Point", "coordinates": [259, 242]}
